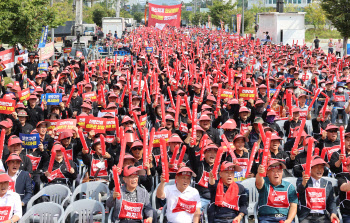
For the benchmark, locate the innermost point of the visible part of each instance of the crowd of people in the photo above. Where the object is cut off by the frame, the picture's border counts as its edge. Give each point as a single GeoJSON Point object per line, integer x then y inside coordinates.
{"type": "Point", "coordinates": [205, 108]}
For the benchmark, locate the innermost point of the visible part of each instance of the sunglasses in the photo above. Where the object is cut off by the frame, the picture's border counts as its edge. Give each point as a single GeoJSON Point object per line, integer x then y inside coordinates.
{"type": "Point", "coordinates": [137, 148]}
{"type": "Point", "coordinates": [333, 131]}
{"type": "Point", "coordinates": [129, 123]}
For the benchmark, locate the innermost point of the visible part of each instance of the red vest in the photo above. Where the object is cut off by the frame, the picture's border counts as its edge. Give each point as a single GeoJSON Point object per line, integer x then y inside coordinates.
{"type": "Point", "coordinates": [277, 199]}
{"type": "Point", "coordinates": [131, 210]}
{"type": "Point", "coordinates": [316, 198]}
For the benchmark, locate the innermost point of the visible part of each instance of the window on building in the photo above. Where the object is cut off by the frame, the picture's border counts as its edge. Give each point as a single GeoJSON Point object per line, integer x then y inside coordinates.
{"type": "Point", "coordinates": [309, 1]}
{"type": "Point", "coordinates": [274, 1]}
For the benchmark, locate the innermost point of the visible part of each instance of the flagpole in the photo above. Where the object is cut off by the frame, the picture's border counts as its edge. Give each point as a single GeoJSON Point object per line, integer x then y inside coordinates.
{"type": "Point", "coordinates": [52, 39]}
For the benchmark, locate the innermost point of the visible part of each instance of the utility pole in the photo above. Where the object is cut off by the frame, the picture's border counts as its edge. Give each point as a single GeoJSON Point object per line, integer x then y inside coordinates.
{"type": "Point", "coordinates": [117, 10]}
{"type": "Point", "coordinates": [52, 37]}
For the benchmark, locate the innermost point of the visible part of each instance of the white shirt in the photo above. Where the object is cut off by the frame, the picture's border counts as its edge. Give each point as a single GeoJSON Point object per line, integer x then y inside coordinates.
{"type": "Point", "coordinates": [316, 184]}
{"type": "Point", "coordinates": [13, 200]}
{"type": "Point", "coordinates": [172, 194]}
{"type": "Point", "coordinates": [14, 177]}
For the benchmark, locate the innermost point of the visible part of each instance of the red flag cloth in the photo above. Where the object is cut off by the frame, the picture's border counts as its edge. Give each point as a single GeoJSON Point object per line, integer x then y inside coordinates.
{"type": "Point", "coordinates": [217, 162]}
{"type": "Point", "coordinates": [266, 152]}
{"type": "Point", "coordinates": [164, 157]}
{"type": "Point", "coordinates": [228, 199]}
{"type": "Point", "coordinates": [116, 181]}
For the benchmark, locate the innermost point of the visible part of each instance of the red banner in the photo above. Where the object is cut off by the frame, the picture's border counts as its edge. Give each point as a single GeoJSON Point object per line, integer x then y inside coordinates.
{"type": "Point", "coordinates": [239, 18]}
{"type": "Point", "coordinates": [227, 93]}
{"type": "Point", "coordinates": [161, 14]}
{"type": "Point", "coordinates": [24, 95]}
{"type": "Point", "coordinates": [246, 93]}
{"type": "Point", "coordinates": [96, 124]}
{"type": "Point", "coordinates": [110, 124]}
{"type": "Point", "coordinates": [91, 95]}
{"type": "Point", "coordinates": [7, 106]}
{"type": "Point", "coordinates": [66, 124]}
{"type": "Point", "coordinates": [158, 135]}
{"type": "Point", "coordinates": [53, 124]}
{"type": "Point", "coordinates": [81, 121]}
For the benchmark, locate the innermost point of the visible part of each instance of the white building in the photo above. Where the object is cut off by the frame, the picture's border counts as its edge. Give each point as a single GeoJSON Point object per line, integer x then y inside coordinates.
{"type": "Point", "coordinates": [272, 3]}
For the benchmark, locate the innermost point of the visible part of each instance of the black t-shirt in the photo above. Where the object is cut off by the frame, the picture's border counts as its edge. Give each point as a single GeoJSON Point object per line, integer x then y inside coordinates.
{"type": "Point", "coordinates": [344, 202]}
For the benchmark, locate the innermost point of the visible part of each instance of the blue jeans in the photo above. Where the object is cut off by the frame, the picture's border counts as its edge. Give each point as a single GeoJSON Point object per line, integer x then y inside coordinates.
{"type": "Point", "coordinates": [335, 113]}
{"type": "Point", "coordinates": [346, 218]}
{"type": "Point", "coordinates": [268, 219]}
{"type": "Point", "coordinates": [204, 203]}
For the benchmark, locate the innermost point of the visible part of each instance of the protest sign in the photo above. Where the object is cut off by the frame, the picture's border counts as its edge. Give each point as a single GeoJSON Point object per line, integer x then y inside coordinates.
{"type": "Point", "coordinates": [53, 98]}
{"type": "Point", "coordinates": [30, 141]}
{"type": "Point", "coordinates": [96, 124]}
{"type": "Point", "coordinates": [7, 106]}
{"type": "Point", "coordinates": [66, 124]}
{"type": "Point", "coordinates": [24, 94]}
{"type": "Point", "coordinates": [162, 14]}
{"type": "Point", "coordinates": [246, 93]}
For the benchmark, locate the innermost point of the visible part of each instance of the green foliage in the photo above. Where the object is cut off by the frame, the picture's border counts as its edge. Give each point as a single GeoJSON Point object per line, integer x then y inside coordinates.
{"type": "Point", "coordinates": [199, 18]}
{"type": "Point", "coordinates": [22, 21]}
{"type": "Point", "coordinates": [291, 8]}
{"type": "Point", "coordinates": [338, 12]}
{"type": "Point", "coordinates": [186, 15]}
{"type": "Point", "coordinates": [124, 14]}
{"type": "Point", "coordinates": [310, 34]}
{"type": "Point", "coordinates": [96, 13]}
{"type": "Point", "coordinates": [315, 15]}
{"type": "Point", "coordinates": [221, 11]}
{"type": "Point", "coordinates": [138, 16]}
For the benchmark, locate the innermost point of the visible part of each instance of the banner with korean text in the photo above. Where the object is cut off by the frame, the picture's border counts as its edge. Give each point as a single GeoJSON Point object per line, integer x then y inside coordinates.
{"type": "Point", "coordinates": [162, 14]}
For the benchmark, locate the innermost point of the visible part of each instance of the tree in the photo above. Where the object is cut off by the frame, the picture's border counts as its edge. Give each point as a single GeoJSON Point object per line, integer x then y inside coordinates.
{"type": "Point", "coordinates": [22, 21]}
{"type": "Point", "coordinates": [138, 16]}
{"type": "Point", "coordinates": [290, 8]}
{"type": "Point", "coordinates": [221, 11]}
{"type": "Point", "coordinates": [199, 18]}
{"type": "Point", "coordinates": [315, 15]}
{"type": "Point", "coordinates": [338, 12]}
{"type": "Point", "coordinates": [125, 14]}
{"type": "Point", "coordinates": [98, 13]}
{"type": "Point", "coordinates": [186, 15]}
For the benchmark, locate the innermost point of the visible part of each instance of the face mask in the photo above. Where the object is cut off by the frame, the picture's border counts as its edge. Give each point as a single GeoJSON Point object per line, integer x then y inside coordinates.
{"type": "Point", "coordinates": [260, 109]}
{"type": "Point", "coordinates": [270, 119]}
{"type": "Point", "coordinates": [340, 89]}
{"type": "Point", "coordinates": [230, 135]}
{"type": "Point", "coordinates": [323, 84]}
{"type": "Point", "coordinates": [183, 111]}
{"type": "Point", "coordinates": [36, 60]}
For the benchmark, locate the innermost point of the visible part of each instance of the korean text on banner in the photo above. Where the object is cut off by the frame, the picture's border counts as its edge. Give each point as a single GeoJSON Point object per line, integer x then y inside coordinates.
{"type": "Point", "coordinates": [47, 51]}
{"type": "Point", "coordinates": [164, 15]}
{"type": "Point", "coordinates": [53, 98]}
{"type": "Point", "coordinates": [7, 57]}
{"type": "Point", "coordinates": [246, 93]}
{"type": "Point", "coordinates": [30, 141]}
{"type": "Point", "coordinates": [43, 38]}
{"type": "Point", "coordinates": [7, 106]}
{"type": "Point", "coordinates": [239, 18]}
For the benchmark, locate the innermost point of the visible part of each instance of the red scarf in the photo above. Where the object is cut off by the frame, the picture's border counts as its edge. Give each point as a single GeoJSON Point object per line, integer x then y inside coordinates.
{"type": "Point", "coordinates": [228, 199]}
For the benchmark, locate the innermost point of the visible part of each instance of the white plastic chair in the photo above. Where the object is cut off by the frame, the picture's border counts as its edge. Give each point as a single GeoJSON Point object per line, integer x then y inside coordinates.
{"type": "Point", "coordinates": [292, 180]}
{"type": "Point", "coordinates": [57, 193]}
{"type": "Point", "coordinates": [47, 212]}
{"type": "Point", "coordinates": [92, 190]}
{"type": "Point", "coordinates": [84, 210]}
{"type": "Point", "coordinates": [253, 194]}
{"type": "Point", "coordinates": [162, 214]}
{"type": "Point", "coordinates": [110, 215]}
{"type": "Point", "coordinates": [154, 196]}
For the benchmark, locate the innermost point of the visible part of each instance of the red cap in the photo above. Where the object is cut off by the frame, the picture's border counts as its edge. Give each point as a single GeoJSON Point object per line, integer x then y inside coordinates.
{"type": "Point", "coordinates": [169, 117]}
{"type": "Point", "coordinates": [271, 112]}
{"type": "Point", "coordinates": [243, 109]}
{"type": "Point", "coordinates": [296, 109]}
{"type": "Point", "coordinates": [126, 119]}
{"type": "Point", "coordinates": [129, 156]}
{"type": "Point", "coordinates": [66, 134]}
{"type": "Point", "coordinates": [186, 171]}
{"type": "Point", "coordinates": [274, 136]}
{"type": "Point", "coordinates": [229, 124]}
{"type": "Point", "coordinates": [318, 160]}
{"type": "Point", "coordinates": [239, 136]}
{"type": "Point", "coordinates": [43, 122]}
{"type": "Point", "coordinates": [13, 156]}
{"type": "Point", "coordinates": [175, 138]}
{"type": "Point", "coordinates": [274, 163]}
{"type": "Point", "coordinates": [210, 146]}
{"type": "Point", "coordinates": [6, 124]}
{"type": "Point", "coordinates": [14, 140]}
{"type": "Point", "coordinates": [204, 118]}
{"type": "Point", "coordinates": [86, 105]}
{"type": "Point", "coordinates": [227, 166]}
{"type": "Point", "coordinates": [130, 170]}
{"type": "Point", "coordinates": [137, 143]}
{"type": "Point", "coordinates": [262, 86]}
{"type": "Point", "coordinates": [4, 177]}
{"type": "Point", "coordinates": [330, 126]}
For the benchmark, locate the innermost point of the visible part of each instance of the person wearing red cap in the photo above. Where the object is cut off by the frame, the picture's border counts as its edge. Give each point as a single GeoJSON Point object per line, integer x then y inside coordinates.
{"type": "Point", "coordinates": [316, 195]}
{"type": "Point", "coordinates": [98, 164]}
{"type": "Point", "coordinates": [213, 133]}
{"type": "Point", "coordinates": [278, 154]}
{"type": "Point", "coordinates": [10, 202]}
{"type": "Point", "coordinates": [59, 174]}
{"type": "Point", "coordinates": [339, 99]}
{"type": "Point", "coordinates": [21, 181]}
{"type": "Point", "coordinates": [337, 158]}
{"type": "Point", "coordinates": [229, 200]}
{"type": "Point", "coordinates": [245, 119]}
{"type": "Point", "coordinates": [321, 98]}
{"type": "Point", "coordinates": [293, 122]}
{"type": "Point", "coordinates": [45, 137]}
{"type": "Point", "coordinates": [344, 191]}
{"type": "Point", "coordinates": [304, 109]}
{"type": "Point", "coordinates": [202, 167]}
{"type": "Point", "coordinates": [329, 142]}
{"type": "Point", "coordinates": [75, 103]}
{"type": "Point", "coordinates": [277, 198]}
{"type": "Point", "coordinates": [34, 111]}
{"type": "Point", "coordinates": [134, 205]}
{"type": "Point", "coordinates": [15, 146]}
{"type": "Point", "coordinates": [22, 118]}
{"type": "Point", "coordinates": [183, 201]}
{"type": "Point", "coordinates": [319, 125]}
{"type": "Point", "coordinates": [199, 134]}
